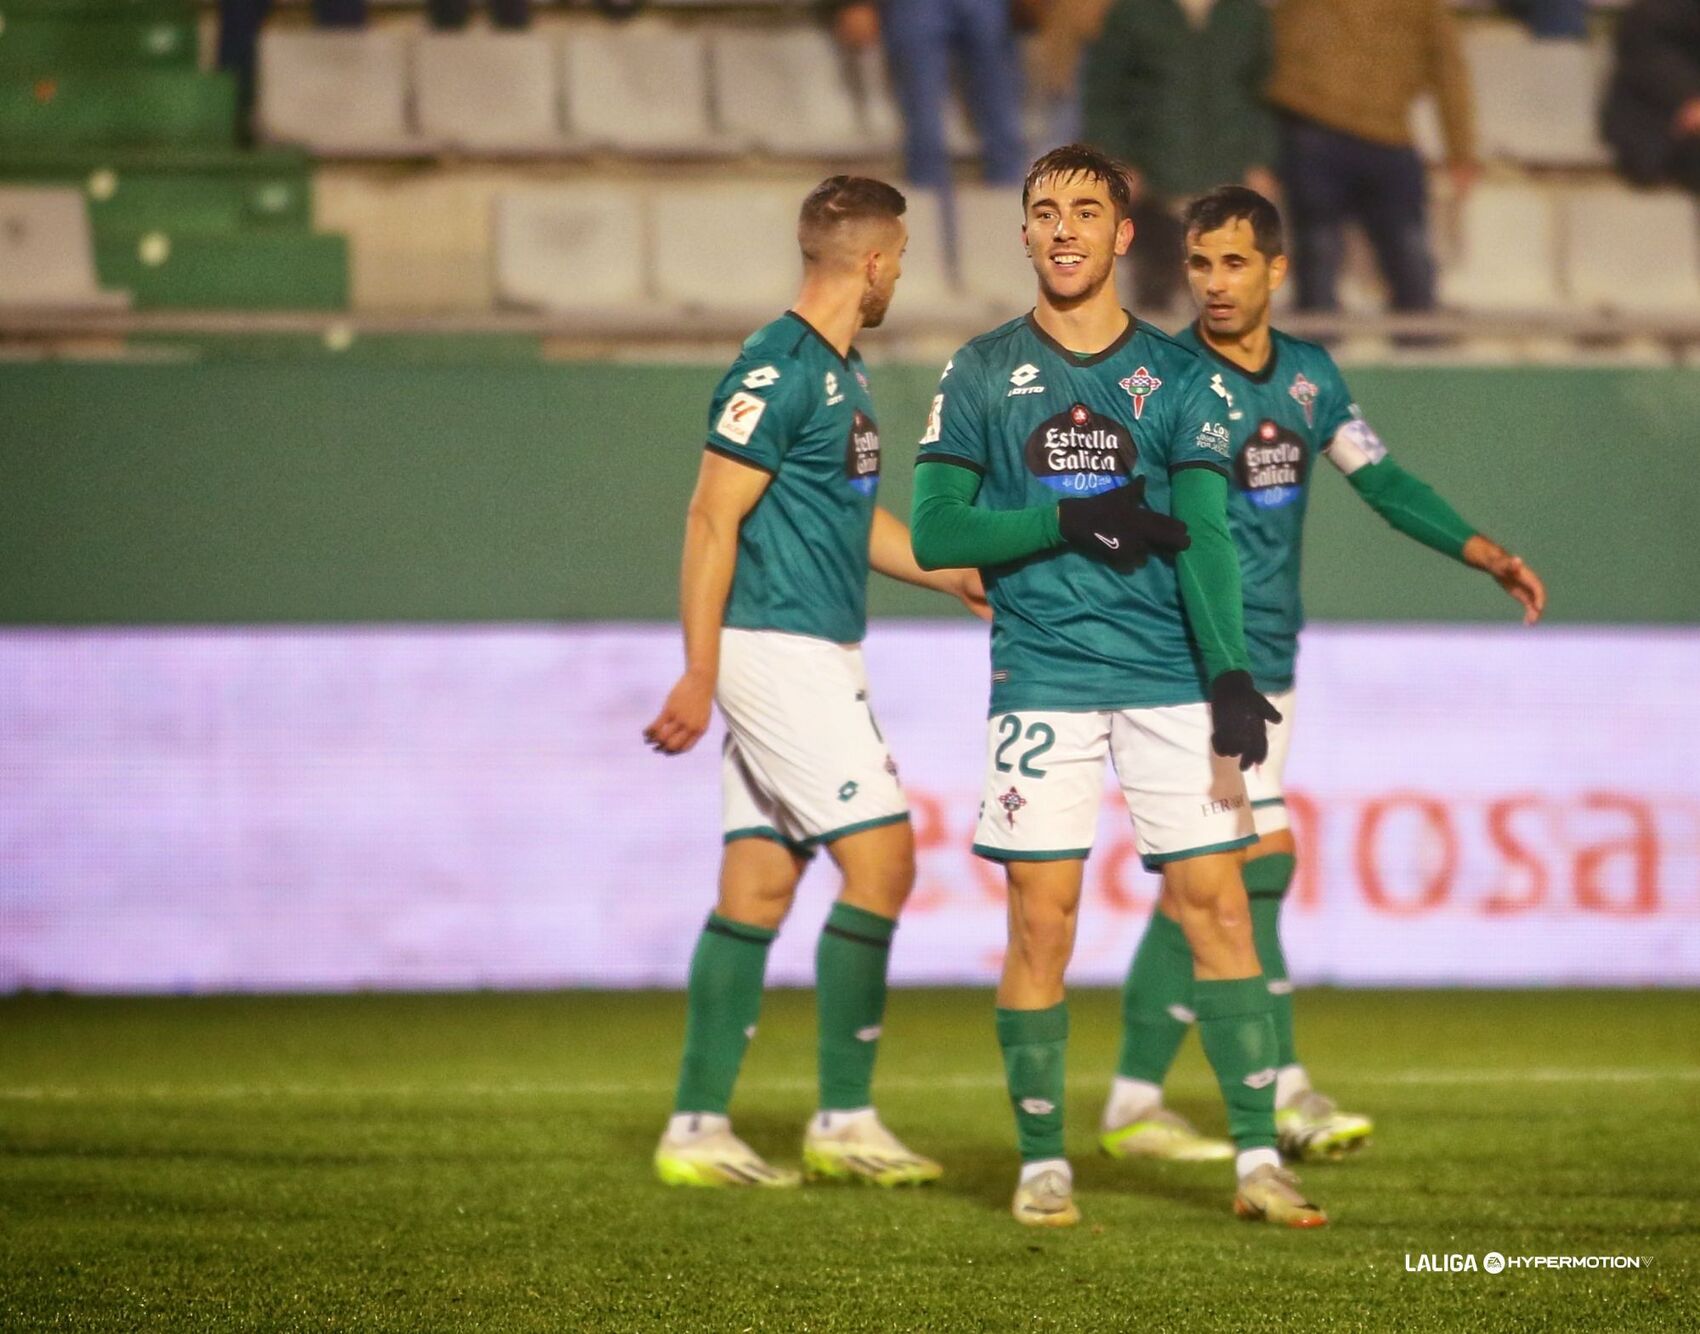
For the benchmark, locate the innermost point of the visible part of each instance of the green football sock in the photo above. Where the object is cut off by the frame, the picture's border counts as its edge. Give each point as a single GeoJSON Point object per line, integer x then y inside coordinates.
{"type": "Point", "coordinates": [850, 965]}
{"type": "Point", "coordinates": [1239, 1040]}
{"type": "Point", "coordinates": [1266, 881]}
{"type": "Point", "coordinates": [1034, 1042]}
{"type": "Point", "coordinates": [1158, 983]}
{"type": "Point", "coordinates": [723, 1000]}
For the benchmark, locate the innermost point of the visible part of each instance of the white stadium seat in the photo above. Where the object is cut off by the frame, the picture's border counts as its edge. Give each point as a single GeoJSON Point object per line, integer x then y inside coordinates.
{"type": "Point", "coordinates": [337, 92]}
{"type": "Point", "coordinates": [990, 261]}
{"type": "Point", "coordinates": [787, 93]}
{"type": "Point", "coordinates": [46, 253]}
{"type": "Point", "coordinates": [729, 250]}
{"type": "Point", "coordinates": [638, 88]}
{"type": "Point", "coordinates": [1537, 100]}
{"type": "Point", "coordinates": [1504, 255]}
{"type": "Point", "coordinates": [491, 92]}
{"type": "Point", "coordinates": [928, 293]}
{"type": "Point", "coordinates": [1633, 253]}
{"type": "Point", "coordinates": [572, 249]}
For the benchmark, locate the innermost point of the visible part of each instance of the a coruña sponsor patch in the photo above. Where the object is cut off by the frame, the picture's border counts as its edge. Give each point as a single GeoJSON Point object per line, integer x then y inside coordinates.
{"type": "Point", "coordinates": [1081, 452]}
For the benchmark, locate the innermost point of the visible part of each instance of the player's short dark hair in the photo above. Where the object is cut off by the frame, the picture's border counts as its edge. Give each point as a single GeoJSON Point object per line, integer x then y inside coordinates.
{"type": "Point", "coordinates": [844, 199]}
{"type": "Point", "coordinates": [1082, 160]}
{"type": "Point", "coordinates": [1231, 203]}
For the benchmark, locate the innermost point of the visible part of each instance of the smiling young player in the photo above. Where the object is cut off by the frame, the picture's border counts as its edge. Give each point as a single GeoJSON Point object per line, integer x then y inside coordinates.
{"type": "Point", "coordinates": [1079, 458]}
{"type": "Point", "coordinates": [1286, 406]}
{"type": "Point", "coordinates": [781, 533]}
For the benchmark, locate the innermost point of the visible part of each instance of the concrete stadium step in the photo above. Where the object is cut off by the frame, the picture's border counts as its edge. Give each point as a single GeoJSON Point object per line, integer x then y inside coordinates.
{"type": "Point", "coordinates": [265, 270]}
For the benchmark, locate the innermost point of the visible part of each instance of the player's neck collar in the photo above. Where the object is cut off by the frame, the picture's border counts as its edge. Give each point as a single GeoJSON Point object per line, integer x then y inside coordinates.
{"type": "Point", "coordinates": [1074, 358]}
{"type": "Point", "coordinates": [1263, 376]}
{"type": "Point", "coordinates": [824, 340]}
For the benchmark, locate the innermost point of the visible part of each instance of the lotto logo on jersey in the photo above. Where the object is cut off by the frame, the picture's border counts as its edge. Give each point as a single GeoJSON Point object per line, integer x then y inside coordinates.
{"type": "Point", "coordinates": [1081, 452]}
{"type": "Point", "coordinates": [1140, 386]}
{"type": "Point", "coordinates": [862, 454]}
{"type": "Point", "coordinates": [1021, 381]}
{"type": "Point", "coordinates": [739, 417]}
{"type": "Point", "coordinates": [1270, 467]}
{"type": "Point", "coordinates": [833, 397]}
{"type": "Point", "coordinates": [761, 377]}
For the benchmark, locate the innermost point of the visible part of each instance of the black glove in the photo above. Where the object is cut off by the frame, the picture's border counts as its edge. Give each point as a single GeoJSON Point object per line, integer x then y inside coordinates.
{"type": "Point", "coordinates": [1239, 718]}
{"type": "Point", "coordinates": [1118, 528]}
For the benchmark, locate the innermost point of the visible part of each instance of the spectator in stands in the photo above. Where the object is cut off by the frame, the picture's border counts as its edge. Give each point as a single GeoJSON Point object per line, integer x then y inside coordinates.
{"type": "Point", "coordinates": [924, 39]}
{"type": "Point", "coordinates": [1551, 18]}
{"type": "Point", "coordinates": [1062, 31]}
{"type": "Point", "coordinates": [1174, 88]}
{"type": "Point", "coordinates": [1346, 75]}
{"type": "Point", "coordinates": [1652, 108]}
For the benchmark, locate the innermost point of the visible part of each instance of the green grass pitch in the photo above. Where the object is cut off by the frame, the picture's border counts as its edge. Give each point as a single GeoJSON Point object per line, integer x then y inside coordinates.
{"type": "Point", "coordinates": [482, 1162]}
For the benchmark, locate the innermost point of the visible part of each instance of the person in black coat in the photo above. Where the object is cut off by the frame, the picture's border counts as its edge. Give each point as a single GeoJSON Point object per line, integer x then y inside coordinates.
{"type": "Point", "coordinates": [1651, 117]}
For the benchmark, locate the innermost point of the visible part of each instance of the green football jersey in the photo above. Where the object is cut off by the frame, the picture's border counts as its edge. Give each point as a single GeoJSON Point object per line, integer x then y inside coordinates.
{"type": "Point", "coordinates": [1040, 424]}
{"type": "Point", "coordinates": [1281, 420]}
{"type": "Point", "coordinates": [794, 408]}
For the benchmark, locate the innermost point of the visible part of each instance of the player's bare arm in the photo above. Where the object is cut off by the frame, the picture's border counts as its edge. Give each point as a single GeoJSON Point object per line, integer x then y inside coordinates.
{"type": "Point", "coordinates": [890, 554]}
{"type": "Point", "coordinates": [726, 491]}
{"type": "Point", "coordinates": [1510, 572]}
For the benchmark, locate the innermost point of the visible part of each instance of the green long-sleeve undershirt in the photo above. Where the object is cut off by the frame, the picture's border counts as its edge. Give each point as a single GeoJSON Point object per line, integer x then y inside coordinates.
{"type": "Point", "coordinates": [948, 531]}
{"type": "Point", "coordinates": [1209, 571]}
{"type": "Point", "coordinates": [1412, 506]}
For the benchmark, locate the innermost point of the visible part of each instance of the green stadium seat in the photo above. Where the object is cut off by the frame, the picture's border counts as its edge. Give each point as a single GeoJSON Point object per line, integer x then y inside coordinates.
{"type": "Point", "coordinates": [266, 270]}
{"type": "Point", "coordinates": [33, 45]}
{"type": "Point", "coordinates": [83, 106]}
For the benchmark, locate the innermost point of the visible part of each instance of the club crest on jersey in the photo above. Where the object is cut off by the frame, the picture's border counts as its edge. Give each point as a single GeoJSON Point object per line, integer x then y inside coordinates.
{"type": "Point", "coordinates": [1304, 393]}
{"type": "Point", "coordinates": [1270, 467]}
{"type": "Point", "coordinates": [1140, 386]}
{"type": "Point", "coordinates": [862, 454]}
{"type": "Point", "coordinates": [1080, 452]}
{"type": "Point", "coordinates": [1012, 801]}
{"type": "Point", "coordinates": [861, 378]}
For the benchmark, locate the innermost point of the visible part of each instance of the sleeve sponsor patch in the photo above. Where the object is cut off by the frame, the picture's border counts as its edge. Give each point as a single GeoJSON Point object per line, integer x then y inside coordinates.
{"type": "Point", "coordinates": [739, 417]}
{"type": "Point", "coordinates": [935, 421]}
{"type": "Point", "coordinates": [1355, 445]}
{"type": "Point", "coordinates": [1214, 437]}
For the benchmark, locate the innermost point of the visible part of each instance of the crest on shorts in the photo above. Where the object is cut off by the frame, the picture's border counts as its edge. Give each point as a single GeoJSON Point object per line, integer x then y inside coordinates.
{"type": "Point", "coordinates": [1140, 386]}
{"type": "Point", "coordinates": [1304, 393]}
{"type": "Point", "coordinates": [1012, 801]}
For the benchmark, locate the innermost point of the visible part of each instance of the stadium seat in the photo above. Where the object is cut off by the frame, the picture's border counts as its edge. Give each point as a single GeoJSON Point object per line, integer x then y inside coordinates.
{"type": "Point", "coordinates": [489, 92]}
{"type": "Point", "coordinates": [46, 258]}
{"type": "Point", "coordinates": [337, 92]}
{"type": "Point", "coordinates": [89, 105]}
{"type": "Point", "coordinates": [1632, 253]}
{"type": "Point", "coordinates": [138, 190]}
{"type": "Point", "coordinates": [639, 88]}
{"type": "Point", "coordinates": [787, 93]}
{"type": "Point", "coordinates": [728, 251]}
{"type": "Point", "coordinates": [41, 42]}
{"type": "Point", "coordinates": [1504, 253]}
{"type": "Point", "coordinates": [1536, 100]}
{"type": "Point", "coordinates": [571, 249]}
{"type": "Point", "coordinates": [928, 293]}
{"type": "Point", "coordinates": [990, 259]}
{"type": "Point", "coordinates": [266, 270]}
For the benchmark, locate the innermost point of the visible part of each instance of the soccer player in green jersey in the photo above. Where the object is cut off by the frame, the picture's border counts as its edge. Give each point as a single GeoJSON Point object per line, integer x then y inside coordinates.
{"type": "Point", "coordinates": [1286, 406]}
{"type": "Point", "coordinates": [781, 532]}
{"type": "Point", "coordinates": [1079, 458]}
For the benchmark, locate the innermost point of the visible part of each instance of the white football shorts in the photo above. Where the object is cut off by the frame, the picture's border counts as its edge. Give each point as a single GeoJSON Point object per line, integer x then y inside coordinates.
{"type": "Point", "coordinates": [804, 762]}
{"type": "Point", "coordinates": [1263, 781]}
{"type": "Point", "coordinates": [1045, 783]}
